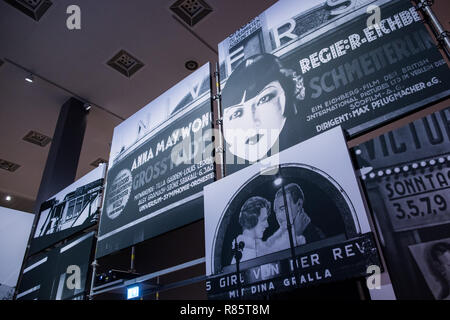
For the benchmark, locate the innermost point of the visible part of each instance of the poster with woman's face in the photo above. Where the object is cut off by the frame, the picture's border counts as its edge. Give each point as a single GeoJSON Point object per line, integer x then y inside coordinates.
{"type": "Point", "coordinates": [433, 259]}
{"type": "Point", "coordinates": [307, 205]}
{"type": "Point", "coordinates": [303, 67]}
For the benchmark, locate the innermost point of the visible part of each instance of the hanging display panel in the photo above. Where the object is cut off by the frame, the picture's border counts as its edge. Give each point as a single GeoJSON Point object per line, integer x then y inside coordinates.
{"type": "Point", "coordinates": [252, 240]}
{"type": "Point", "coordinates": [36, 278]}
{"type": "Point", "coordinates": [407, 179]}
{"type": "Point", "coordinates": [59, 274]}
{"type": "Point", "coordinates": [161, 157]}
{"type": "Point", "coordinates": [71, 210]}
{"type": "Point", "coordinates": [303, 67]}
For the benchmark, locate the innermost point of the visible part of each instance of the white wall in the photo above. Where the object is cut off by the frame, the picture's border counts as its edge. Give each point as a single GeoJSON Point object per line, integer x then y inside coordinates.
{"type": "Point", "coordinates": [15, 228]}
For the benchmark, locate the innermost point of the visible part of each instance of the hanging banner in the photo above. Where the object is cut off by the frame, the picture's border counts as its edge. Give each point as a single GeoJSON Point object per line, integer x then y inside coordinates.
{"type": "Point", "coordinates": [407, 178]}
{"type": "Point", "coordinates": [306, 209]}
{"type": "Point", "coordinates": [303, 67]}
{"type": "Point", "coordinates": [59, 274]}
{"type": "Point", "coordinates": [71, 210]}
{"type": "Point", "coordinates": [161, 157]}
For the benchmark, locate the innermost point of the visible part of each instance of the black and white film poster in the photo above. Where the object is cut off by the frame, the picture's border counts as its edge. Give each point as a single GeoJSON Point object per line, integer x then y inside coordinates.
{"type": "Point", "coordinates": [406, 175]}
{"type": "Point", "coordinates": [433, 260]}
{"type": "Point", "coordinates": [71, 210]}
{"type": "Point", "coordinates": [59, 274]}
{"type": "Point", "coordinates": [301, 223]}
{"type": "Point", "coordinates": [303, 67]}
{"type": "Point", "coordinates": [161, 157]}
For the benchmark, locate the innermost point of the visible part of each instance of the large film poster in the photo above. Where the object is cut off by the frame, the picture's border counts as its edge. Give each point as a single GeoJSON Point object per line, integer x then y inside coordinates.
{"type": "Point", "coordinates": [161, 157]}
{"type": "Point", "coordinates": [306, 209]}
{"type": "Point", "coordinates": [407, 178]}
{"type": "Point", "coordinates": [71, 210]}
{"type": "Point", "coordinates": [303, 67]}
{"type": "Point", "coordinates": [58, 274]}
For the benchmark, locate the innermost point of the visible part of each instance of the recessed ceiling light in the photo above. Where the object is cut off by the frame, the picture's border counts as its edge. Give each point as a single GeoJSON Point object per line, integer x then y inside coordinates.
{"type": "Point", "coordinates": [32, 8]}
{"type": "Point", "coordinates": [8, 165]}
{"type": "Point", "coordinates": [125, 63]}
{"type": "Point", "coordinates": [29, 78]}
{"type": "Point", "coordinates": [191, 65]}
{"type": "Point", "coordinates": [8, 198]}
{"type": "Point", "coordinates": [37, 138]}
{"type": "Point", "coordinates": [191, 11]}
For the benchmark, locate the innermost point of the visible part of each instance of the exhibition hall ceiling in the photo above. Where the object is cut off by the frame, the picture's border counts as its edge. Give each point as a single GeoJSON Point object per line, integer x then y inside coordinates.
{"type": "Point", "coordinates": [77, 61]}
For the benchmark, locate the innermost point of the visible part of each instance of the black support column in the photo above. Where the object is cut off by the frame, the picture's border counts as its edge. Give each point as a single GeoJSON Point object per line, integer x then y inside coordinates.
{"type": "Point", "coordinates": [62, 161]}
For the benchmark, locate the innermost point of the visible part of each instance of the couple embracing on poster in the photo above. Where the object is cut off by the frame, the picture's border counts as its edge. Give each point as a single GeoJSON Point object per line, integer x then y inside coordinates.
{"type": "Point", "coordinates": [253, 218]}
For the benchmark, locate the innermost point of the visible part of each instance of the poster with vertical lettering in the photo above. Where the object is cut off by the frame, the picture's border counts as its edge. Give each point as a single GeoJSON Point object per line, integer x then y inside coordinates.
{"type": "Point", "coordinates": [161, 157]}
{"type": "Point", "coordinates": [303, 67]}
{"type": "Point", "coordinates": [293, 225]}
{"type": "Point", "coordinates": [406, 175]}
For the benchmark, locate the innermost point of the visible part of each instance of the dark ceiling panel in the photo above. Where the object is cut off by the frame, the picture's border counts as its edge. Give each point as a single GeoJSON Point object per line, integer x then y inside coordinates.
{"type": "Point", "coordinates": [125, 63]}
{"type": "Point", "coordinates": [191, 11]}
{"type": "Point", "coordinates": [8, 165]}
{"type": "Point", "coordinates": [32, 8]}
{"type": "Point", "coordinates": [37, 138]}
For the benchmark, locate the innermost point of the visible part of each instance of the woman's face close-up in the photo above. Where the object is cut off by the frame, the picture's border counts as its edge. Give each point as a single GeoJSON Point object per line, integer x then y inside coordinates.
{"type": "Point", "coordinates": [252, 127]}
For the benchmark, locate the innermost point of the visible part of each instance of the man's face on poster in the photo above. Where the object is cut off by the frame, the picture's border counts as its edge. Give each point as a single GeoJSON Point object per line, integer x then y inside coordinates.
{"type": "Point", "coordinates": [253, 126]}
{"type": "Point", "coordinates": [262, 223]}
{"type": "Point", "coordinates": [293, 207]}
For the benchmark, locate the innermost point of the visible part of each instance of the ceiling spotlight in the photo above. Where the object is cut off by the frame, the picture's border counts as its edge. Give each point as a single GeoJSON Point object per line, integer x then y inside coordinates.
{"type": "Point", "coordinates": [8, 198]}
{"type": "Point", "coordinates": [191, 65]}
{"type": "Point", "coordinates": [87, 106]}
{"type": "Point", "coordinates": [29, 78]}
